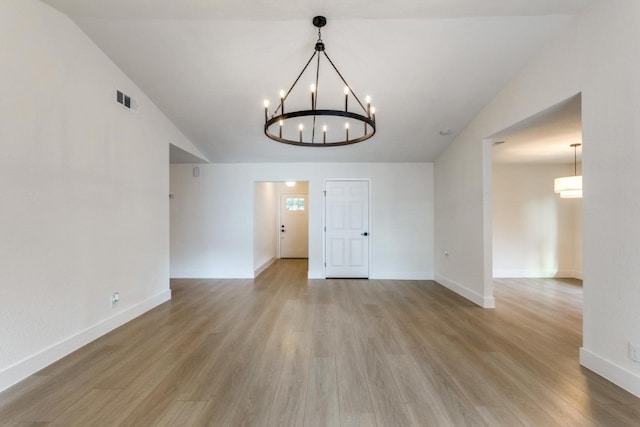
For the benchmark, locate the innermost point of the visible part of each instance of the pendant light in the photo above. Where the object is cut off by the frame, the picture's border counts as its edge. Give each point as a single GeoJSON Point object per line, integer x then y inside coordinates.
{"type": "Point", "coordinates": [570, 187]}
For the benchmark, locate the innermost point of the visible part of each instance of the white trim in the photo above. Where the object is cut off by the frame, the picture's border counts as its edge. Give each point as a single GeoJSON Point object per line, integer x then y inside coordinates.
{"type": "Point", "coordinates": [610, 371]}
{"type": "Point", "coordinates": [405, 275]}
{"type": "Point", "coordinates": [508, 274]}
{"type": "Point", "coordinates": [487, 224]}
{"type": "Point", "coordinates": [315, 275]}
{"type": "Point", "coordinates": [32, 364]}
{"type": "Point", "coordinates": [482, 301]}
{"type": "Point", "coordinates": [263, 267]}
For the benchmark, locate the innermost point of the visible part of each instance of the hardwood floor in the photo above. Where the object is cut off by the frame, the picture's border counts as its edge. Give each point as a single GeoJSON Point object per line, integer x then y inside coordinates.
{"type": "Point", "coordinates": [282, 350]}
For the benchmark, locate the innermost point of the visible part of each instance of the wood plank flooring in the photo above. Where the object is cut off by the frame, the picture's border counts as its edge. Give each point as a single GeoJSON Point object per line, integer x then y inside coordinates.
{"type": "Point", "coordinates": [282, 350]}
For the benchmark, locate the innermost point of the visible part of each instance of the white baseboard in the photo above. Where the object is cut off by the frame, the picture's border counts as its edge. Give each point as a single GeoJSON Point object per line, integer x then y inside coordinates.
{"type": "Point", "coordinates": [32, 364]}
{"type": "Point", "coordinates": [474, 297]}
{"type": "Point", "coordinates": [612, 372]}
{"type": "Point", "coordinates": [411, 275]}
{"type": "Point", "coordinates": [263, 267]}
{"type": "Point", "coordinates": [533, 274]}
{"type": "Point", "coordinates": [575, 274]}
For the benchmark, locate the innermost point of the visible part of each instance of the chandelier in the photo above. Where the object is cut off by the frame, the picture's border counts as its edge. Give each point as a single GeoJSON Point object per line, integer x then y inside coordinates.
{"type": "Point", "coordinates": [570, 187]}
{"type": "Point", "coordinates": [318, 126]}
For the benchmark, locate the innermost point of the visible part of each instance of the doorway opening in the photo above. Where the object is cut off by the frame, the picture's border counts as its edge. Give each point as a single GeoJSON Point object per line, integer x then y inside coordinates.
{"type": "Point", "coordinates": [281, 224]}
{"type": "Point", "coordinates": [294, 224]}
{"type": "Point", "coordinates": [535, 233]}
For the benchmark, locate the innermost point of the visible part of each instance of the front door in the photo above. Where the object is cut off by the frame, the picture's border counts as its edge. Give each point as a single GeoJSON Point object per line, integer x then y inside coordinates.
{"type": "Point", "coordinates": [347, 229]}
{"type": "Point", "coordinates": [294, 225]}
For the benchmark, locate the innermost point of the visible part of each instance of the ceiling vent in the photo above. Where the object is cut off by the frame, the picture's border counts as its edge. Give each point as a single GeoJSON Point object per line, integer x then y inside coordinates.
{"type": "Point", "coordinates": [126, 101]}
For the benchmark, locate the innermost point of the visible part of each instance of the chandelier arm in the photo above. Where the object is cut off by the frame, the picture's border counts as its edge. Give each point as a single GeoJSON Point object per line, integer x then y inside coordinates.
{"type": "Point", "coordinates": [296, 81]}
{"type": "Point", "coordinates": [343, 80]}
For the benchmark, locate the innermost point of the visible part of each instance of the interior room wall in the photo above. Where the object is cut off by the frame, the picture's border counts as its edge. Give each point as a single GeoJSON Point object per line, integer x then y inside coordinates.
{"type": "Point", "coordinates": [597, 56]}
{"type": "Point", "coordinates": [217, 241]}
{"type": "Point", "coordinates": [299, 187]}
{"type": "Point", "coordinates": [84, 192]}
{"type": "Point", "coordinates": [535, 232]}
{"type": "Point", "coordinates": [265, 205]}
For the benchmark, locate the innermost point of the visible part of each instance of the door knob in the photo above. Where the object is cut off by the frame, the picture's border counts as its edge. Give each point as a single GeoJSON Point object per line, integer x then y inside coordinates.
{"type": "Point", "coordinates": [364, 234]}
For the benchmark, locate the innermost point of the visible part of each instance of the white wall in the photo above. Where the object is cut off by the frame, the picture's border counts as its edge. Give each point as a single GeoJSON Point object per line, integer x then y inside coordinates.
{"type": "Point", "coordinates": [265, 204]}
{"type": "Point", "coordinates": [535, 232]}
{"type": "Point", "coordinates": [84, 187]}
{"type": "Point", "coordinates": [598, 55]}
{"type": "Point", "coordinates": [216, 241]}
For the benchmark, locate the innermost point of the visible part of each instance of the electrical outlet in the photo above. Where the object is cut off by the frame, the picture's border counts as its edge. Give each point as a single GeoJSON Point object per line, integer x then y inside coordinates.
{"type": "Point", "coordinates": [634, 352]}
{"type": "Point", "coordinates": [114, 299]}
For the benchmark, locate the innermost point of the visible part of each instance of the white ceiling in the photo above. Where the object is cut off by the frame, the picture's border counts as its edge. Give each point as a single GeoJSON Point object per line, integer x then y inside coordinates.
{"type": "Point", "coordinates": [428, 64]}
{"type": "Point", "coordinates": [543, 138]}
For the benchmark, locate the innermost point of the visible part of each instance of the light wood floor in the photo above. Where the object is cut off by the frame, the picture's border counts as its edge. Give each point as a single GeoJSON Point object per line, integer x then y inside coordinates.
{"type": "Point", "coordinates": [282, 350]}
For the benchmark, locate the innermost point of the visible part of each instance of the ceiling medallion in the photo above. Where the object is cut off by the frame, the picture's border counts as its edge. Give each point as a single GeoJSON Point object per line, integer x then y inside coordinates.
{"type": "Point", "coordinates": [319, 126]}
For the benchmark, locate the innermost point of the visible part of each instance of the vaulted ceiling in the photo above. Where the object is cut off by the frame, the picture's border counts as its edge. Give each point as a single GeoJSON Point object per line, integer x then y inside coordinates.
{"type": "Point", "coordinates": [429, 65]}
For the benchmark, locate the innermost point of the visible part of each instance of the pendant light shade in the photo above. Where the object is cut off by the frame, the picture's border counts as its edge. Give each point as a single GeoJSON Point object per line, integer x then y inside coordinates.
{"type": "Point", "coordinates": [570, 187]}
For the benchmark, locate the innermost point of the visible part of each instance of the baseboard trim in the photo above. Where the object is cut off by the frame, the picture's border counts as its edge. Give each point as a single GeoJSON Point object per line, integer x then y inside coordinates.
{"type": "Point", "coordinates": [474, 297]}
{"type": "Point", "coordinates": [32, 364]}
{"type": "Point", "coordinates": [534, 274]}
{"type": "Point", "coordinates": [263, 267]}
{"type": "Point", "coordinates": [388, 275]}
{"type": "Point", "coordinates": [610, 371]}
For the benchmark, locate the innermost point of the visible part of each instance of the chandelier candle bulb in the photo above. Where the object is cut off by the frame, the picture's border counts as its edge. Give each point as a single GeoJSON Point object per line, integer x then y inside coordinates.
{"type": "Point", "coordinates": [281, 123]}
{"type": "Point", "coordinates": [346, 128]}
{"type": "Point", "coordinates": [368, 100]}
{"type": "Point", "coordinates": [266, 109]}
{"type": "Point", "coordinates": [324, 134]}
{"type": "Point", "coordinates": [346, 98]}
{"type": "Point", "coordinates": [282, 102]}
{"type": "Point", "coordinates": [313, 92]}
{"type": "Point", "coordinates": [300, 127]}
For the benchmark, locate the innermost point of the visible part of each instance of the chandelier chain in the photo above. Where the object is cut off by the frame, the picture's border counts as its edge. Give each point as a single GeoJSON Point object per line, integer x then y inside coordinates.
{"type": "Point", "coordinates": [296, 81]}
{"type": "Point", "coordinates": [344, 81]}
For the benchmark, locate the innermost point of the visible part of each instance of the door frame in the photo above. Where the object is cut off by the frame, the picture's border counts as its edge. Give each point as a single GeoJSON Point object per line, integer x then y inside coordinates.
{"type": "Point", "coordinates": [324, 221]}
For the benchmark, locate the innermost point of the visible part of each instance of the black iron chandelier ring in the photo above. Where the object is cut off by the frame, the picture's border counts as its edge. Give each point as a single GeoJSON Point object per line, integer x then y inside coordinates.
{"type": "Point", "coordinates": [275, 122]}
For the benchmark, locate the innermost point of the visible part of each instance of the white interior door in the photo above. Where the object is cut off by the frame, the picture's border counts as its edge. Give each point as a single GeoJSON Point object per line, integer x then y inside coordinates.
{"type": "Point", "coordinates": [294, 225]}
{"type": "Point", "coordinates": [347, 229]}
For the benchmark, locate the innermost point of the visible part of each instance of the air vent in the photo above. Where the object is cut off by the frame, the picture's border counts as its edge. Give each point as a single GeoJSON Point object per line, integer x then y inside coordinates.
{"type": "Point", "coordinates": [126, 101]}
